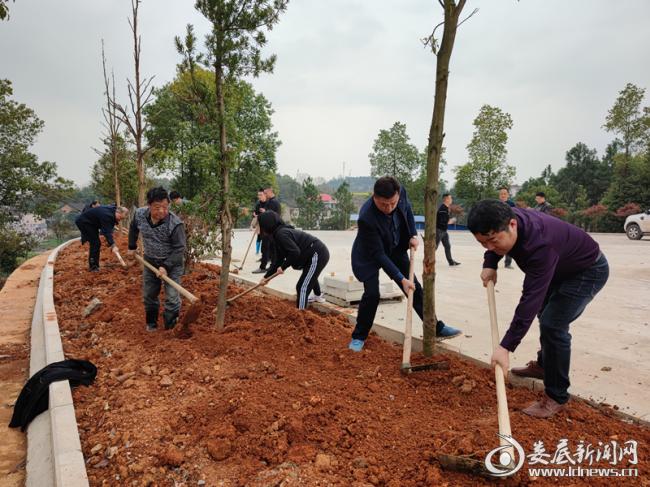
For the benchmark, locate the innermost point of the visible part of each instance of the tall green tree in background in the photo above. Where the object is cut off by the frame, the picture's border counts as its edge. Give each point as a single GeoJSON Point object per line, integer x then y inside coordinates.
{"type": "Point", "coordinates": [583, 172]}
{"type": "Point", "coordinates": [628, 120]}
{"type": "Point", "coordinates": [233, 50]}
{"type": "Point", "coordinates": [26, 185]}
{"type": "Point", "coordinates": [394, 155]}
{"type": "Point", "coordinates": [183, 130]}
{"type": "Point", "coordinates": [102, 175]}
{"type": "Point", "coordinates": [340, 219]}
{"type": "Point", "coordinates": [311, 206]}
{"type": "Point", "coordinates": [288, 189]}
{"type": "Point", "coordinates": [487, 169]}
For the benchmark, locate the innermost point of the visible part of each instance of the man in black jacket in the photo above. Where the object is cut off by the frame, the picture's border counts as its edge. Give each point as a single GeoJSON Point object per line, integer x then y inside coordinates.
{"type": "Point", "coordinates": [100, 219]}
{"type": "Point", "coordinates": [268, 247]}
{"type": "Point", "coordinates": [297, 249]}
{"type": "Point", "coordinates": [163, 239]}
{"type": "Point", "coordinates": [386, 230]}
{"type": "Point", "coordinates": [442, 224]}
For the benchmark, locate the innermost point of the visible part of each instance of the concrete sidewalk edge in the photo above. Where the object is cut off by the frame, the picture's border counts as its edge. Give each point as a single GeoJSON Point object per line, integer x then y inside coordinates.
{"type": "Point", "coordinates": [54, 456]}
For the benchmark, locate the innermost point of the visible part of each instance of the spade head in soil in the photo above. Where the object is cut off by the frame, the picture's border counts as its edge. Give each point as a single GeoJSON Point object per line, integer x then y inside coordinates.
{"type": "Point", "coordinates": [189, 317]}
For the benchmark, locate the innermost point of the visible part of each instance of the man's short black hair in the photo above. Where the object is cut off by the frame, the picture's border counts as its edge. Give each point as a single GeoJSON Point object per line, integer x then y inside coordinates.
{"type": "Point", "coordinates": [445, 195]}
{"type": "Point", "coordinates": [503, 187]}
{"type": "Point", "coordinates": [157, 194]}
{"type": "Point", "coordinates": [174, 195]}
{"type": "Point", "coordinates": [541, 193]}
{"type": "Point", "coordinates": [386, 187]}
{"type": "Point", "coordinates": [489, 216]}
{"type": "Point", "coordinates": [267, 186]}
{"type": "Point", "coordinates": [261, 190]}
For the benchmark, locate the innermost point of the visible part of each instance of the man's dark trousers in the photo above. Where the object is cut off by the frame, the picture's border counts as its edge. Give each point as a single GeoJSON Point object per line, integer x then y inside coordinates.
{"type": "Point", "coordinates": [443, 235]}
{"type": "Point", "coordinates": [564, 303]}
{"type": "Point", "coordinates": [370, 298]}
{"type": "Point", "coordinates": [268, 252]}
{"type": "Point", "coordinates": [90, 234]}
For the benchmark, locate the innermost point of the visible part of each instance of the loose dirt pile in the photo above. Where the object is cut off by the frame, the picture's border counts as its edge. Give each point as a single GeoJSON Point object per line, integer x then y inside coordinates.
{"type": "Point", "coordinates": [277, 399]}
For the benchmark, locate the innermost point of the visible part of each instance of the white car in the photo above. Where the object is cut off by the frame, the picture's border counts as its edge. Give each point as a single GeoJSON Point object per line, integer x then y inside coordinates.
{"type": "Point", "coordinates": [636, 226]}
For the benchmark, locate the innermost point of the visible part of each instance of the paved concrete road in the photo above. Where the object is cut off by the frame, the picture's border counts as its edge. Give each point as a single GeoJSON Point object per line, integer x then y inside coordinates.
{"type": "Point", "coordinates": [613, 332]}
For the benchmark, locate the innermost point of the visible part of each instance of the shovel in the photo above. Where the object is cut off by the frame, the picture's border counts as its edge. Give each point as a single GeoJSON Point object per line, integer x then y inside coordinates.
{"type": "Point", "coordinates": [502, 399]}
{"type": "Point", "coordinates": [406, 367]}
{"type": "Point", "coordinates": [237, 269]}
{"type": "Point", "coordinates": [506, 458]}
{"type": "Point", "coordinates": [116, 251]}
{"type": "Point", "coordinates": [196, 307]}
{"type": "Point", "coordinates": [261, 283]}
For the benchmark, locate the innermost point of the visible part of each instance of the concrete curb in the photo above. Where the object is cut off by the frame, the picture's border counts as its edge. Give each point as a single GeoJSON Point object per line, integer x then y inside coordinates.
{"type": "Point", "coordinates": [398, 337]}
{"type": "Point", "coordinates": [54, 456]}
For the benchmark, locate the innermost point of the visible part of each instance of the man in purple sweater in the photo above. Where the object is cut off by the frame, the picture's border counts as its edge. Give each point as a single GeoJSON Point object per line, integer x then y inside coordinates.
{"type": "Point", "coordinates": [564, 270]}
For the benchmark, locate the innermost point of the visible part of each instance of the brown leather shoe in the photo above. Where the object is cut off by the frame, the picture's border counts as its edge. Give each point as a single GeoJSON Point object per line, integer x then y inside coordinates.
{"type": "Point", "coordinates": [532, 370]}
{"type": "Point", "coordinates": [544, 408]}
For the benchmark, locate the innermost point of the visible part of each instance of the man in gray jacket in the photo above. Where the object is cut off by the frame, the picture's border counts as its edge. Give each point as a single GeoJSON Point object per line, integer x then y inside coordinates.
{"type": "Point", "coordinates": [163, 239]}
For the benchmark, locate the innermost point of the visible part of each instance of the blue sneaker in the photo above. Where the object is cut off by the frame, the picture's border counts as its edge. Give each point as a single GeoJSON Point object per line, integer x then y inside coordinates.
{"type": "Point", "coordinates": [356, 345]}
{"type": "Point", "coordinates": [448, 332]}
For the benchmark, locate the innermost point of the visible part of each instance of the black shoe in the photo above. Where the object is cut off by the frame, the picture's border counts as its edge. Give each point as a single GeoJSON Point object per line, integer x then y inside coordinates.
{"type": "Point", "coordinates": [94, 269]}
{"type": "Point", "coordinates": [259, 271]}
{"type": "Point", "coordinates": [453, 263]}
{"type": "Point", "coordinates": [151, 327]}
{"type": "Point", "coordinates": [170, 320]}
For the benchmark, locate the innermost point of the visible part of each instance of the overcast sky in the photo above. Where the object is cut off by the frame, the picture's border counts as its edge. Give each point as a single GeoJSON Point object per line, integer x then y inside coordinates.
{"type": "Point", "coordinates": [345, 70]}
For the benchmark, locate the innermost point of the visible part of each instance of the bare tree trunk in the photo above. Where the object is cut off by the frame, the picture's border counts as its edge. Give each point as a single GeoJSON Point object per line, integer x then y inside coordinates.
{"type": "Point", "coordinates": [226, 218]}
{"type": "Point", "coordinates": [434, 153]}
{"type": "Point", "coordinates": [113, 126]}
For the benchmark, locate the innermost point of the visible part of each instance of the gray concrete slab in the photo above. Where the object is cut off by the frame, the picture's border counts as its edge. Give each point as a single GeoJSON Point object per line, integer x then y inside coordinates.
{"type": "Point", "coordinates": [613, 332]}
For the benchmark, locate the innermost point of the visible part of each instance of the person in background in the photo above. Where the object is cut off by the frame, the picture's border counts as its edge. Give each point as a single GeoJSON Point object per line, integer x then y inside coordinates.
{"type": "Point", "coordinates": [386, 230]}
{"type": "Point", "coordinates": [268, 247]}
{"type": "Point", "coordinates": [92, 204]}
{"type": "Point", "coordinates": [564, 270]}
{"type": "Point", "coordinates": [442, 225]}
{"type": "Point", "coordinates": [297, 249]}
{"type": "Point", "coordinates": [542, 205]}
{"type": "Point", "coordinates": [163, 242]}
{"type": "Point", "coordinates": [95, 221]}
{"type": "Point", "coordinates": [176, 198]}
{"type": "Point", "coordinates": [504, 195]}
{"type": "Point", "coordinates": [257, 211]}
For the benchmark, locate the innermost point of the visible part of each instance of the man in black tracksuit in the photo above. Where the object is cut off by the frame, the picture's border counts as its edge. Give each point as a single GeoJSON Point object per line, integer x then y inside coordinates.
{"type": "Point", "coordinates": [297, 249]}
{"type": "Point", "coordinates": [442, 224]}
{"type": "Point", "coordinates": [93, 221]}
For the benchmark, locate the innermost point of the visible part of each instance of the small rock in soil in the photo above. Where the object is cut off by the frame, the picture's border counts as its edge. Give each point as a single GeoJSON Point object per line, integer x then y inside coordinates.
{"type": "Point", "coordinates": [458, 380]}
{"type": "Point", "coordinates": [323, 461]}
{"type": "Point", "coordinates": [219, 449]}
{"type": "Point", "coordinates": [92, 307]}
{"type": "Point", "coordinates": [172, 456]}
{"type": "Point", "coordinates": [467, 386]}
{"type": "Point", "coordinates": [96, 448]}
{"type": "Point", "coordinates": [166, 381]}
{"type": "Point", "coordinates": [146, 370]}
{"type": "Point", "coordinates": [360, 462]}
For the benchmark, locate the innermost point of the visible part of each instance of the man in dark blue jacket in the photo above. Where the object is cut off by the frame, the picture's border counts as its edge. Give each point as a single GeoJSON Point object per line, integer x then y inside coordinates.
{"type": "Point", "coordinates": [100, 219]}
{"type": "Point", "coordinates": [386, 230]}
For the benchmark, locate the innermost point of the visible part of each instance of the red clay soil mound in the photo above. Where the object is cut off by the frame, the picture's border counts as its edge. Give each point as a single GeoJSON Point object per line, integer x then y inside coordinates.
{"type": "Point", "coordinates": [277, 399]}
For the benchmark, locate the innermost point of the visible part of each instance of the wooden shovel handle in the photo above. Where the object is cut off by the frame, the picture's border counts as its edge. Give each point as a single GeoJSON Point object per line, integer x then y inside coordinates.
{"type": "Point", "coordinates": [188, 295]}
{"type": "Point", "coordinates": [408, 326]}
{"type": "Point", "coordinates": [502, 399]}
{"type": "Point", "coordinates": [243, 293]}
{"type": "Point", "coordinates": [247, 249]}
